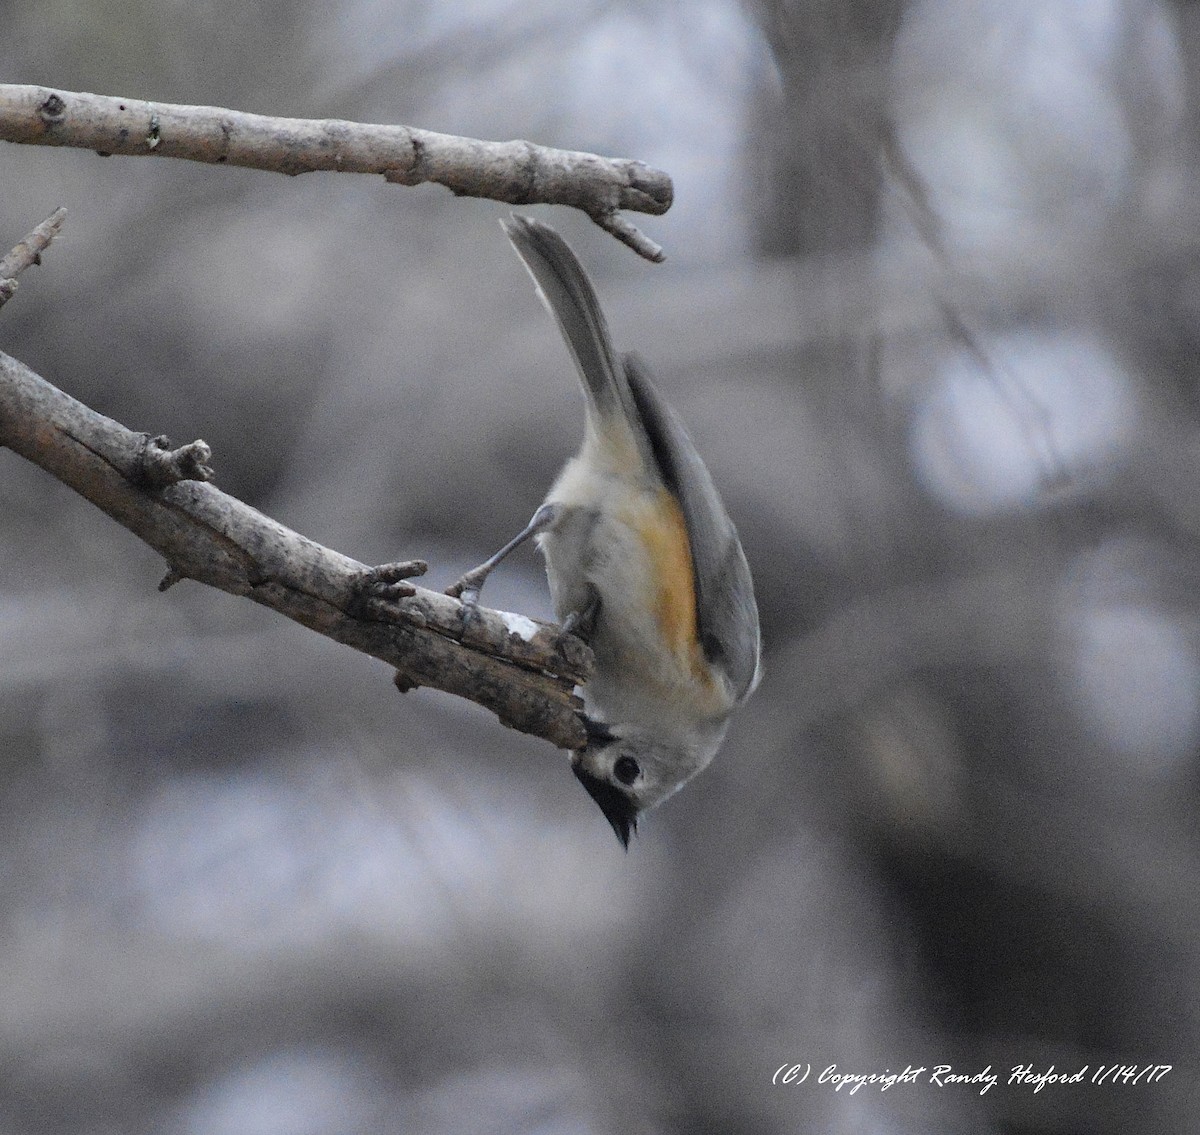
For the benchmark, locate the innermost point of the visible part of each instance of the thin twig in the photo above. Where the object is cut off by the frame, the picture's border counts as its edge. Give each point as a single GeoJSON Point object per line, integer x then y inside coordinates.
{"type": "Point", "coordinates": [518, 172]}
{"type": "Point", "coordinates": [27, 252]}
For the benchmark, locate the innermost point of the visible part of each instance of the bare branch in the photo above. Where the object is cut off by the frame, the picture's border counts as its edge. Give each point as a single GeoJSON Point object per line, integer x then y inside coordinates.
{"type": "Point", "coordinates": [518, 172]}
{"type": "Point", "coordinates": [522, 670]}
{"type": "Point", "coordinates": [28, 251]}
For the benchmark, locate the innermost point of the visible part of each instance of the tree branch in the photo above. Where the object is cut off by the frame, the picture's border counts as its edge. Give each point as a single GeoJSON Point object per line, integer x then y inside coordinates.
{"type": "Point", "coordinates": [521, 669]}
{"type": "Point", "coordinates": [518, 172]}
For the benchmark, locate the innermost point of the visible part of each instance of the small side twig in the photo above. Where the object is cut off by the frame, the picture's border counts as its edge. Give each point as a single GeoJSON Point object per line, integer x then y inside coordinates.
{"type": "Point", "coordinates": [516, 172]}
{"type": "Point", "coordinates": [612, 222]}
{"type": "Point", "coordinates": [28, 252]}
{"type": "Point", "coordinates": [381, 586]}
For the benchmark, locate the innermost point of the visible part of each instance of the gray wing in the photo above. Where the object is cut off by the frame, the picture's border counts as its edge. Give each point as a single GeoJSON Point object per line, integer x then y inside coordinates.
{"type": "Point", "coordinates": [726, 612]}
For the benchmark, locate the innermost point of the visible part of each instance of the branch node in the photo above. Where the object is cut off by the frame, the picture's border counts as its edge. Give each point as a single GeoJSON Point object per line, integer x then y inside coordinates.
{"type": "Point", "coordinates": [158, 465]}
{"type": "Point", "coordinates": [403, 682]}
{"type": "Point", "coordinates": [173, 576]}
{"type": "Point", "coordinates": [53, 109]}
{"type": "Point", "coordinates": [417, 172]}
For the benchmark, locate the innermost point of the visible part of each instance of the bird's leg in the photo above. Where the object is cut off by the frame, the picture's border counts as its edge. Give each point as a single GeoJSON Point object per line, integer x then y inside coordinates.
{"type": "Point", "coordinates": [468, 586]}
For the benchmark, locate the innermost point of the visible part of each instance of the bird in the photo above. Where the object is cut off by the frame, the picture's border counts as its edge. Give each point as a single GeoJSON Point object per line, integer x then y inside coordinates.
{"type": "Point", "coordinates": [642, 561]}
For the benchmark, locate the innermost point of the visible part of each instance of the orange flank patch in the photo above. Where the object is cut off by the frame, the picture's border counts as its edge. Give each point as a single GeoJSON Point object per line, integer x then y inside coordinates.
{"type": "Point", "coordinates": [664, 534]}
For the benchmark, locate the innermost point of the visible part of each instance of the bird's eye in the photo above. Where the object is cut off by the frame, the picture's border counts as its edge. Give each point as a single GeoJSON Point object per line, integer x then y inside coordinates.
{"type": "Point", "coordinates": [626, 770]}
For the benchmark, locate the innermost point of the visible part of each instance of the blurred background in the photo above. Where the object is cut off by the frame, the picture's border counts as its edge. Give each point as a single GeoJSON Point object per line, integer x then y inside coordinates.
{"type": "Point", "coordinates": [931, 312]}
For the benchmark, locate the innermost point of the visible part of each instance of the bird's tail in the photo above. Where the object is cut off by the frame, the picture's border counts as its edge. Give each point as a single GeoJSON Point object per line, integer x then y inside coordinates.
{"type": "Point", "coordinates": [568, 294]}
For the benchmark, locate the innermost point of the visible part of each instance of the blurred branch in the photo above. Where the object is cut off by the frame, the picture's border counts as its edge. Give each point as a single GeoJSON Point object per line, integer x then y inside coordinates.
{"type": "Point", "coordinates": [27, 252]}
{"type": "Point", "coordinates": [522, 670]}
{"type": "Point", "coordinates": [518, 172]}
{"type": "Point", "coordinates": [121, 987]}
{"type": "Point", "coordinates": [880, 640]}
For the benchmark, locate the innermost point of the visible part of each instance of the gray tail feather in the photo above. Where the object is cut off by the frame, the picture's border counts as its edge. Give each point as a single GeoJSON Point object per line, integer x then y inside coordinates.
{"type": "Point", "coordinates": [567, 292]}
